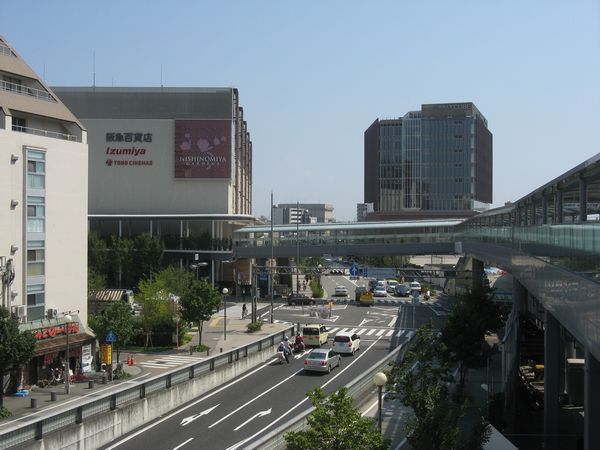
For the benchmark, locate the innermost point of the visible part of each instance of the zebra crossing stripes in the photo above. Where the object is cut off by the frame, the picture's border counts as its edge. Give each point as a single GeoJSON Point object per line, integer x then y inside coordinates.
{"type": "Point", "coordinates": [374, 332]}
{"type": "Point", "coordinates": [168, 361]}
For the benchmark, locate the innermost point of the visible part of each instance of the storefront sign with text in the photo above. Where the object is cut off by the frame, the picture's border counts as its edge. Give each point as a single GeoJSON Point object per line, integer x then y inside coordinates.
{"type": "Point", "coordinates": [56, 330]}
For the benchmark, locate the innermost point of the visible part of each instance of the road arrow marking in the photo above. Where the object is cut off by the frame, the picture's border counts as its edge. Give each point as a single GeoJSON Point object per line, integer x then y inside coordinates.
{"type": "Point", "coordinates": [190, 419]}
{"type": "Point", "coordinates": [301, 355]}
{"type": "Point", "coordinates": [258, 414]}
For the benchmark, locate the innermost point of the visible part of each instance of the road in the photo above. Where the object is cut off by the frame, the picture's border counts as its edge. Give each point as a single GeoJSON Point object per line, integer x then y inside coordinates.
{"type": "Point", "coordinates": [246, 408]}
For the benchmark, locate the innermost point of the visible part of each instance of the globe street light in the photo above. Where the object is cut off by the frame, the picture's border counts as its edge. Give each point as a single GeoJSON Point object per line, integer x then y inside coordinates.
{"type": "Point", "coordinates": [380, 379]}
{"type": "Point", "coordinates": [225, 292]}
{"type": "Point", "coordinates": [68, 320]}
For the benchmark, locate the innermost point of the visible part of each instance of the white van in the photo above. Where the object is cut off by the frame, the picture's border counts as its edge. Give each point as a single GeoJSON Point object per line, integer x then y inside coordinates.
{"type": "Point", "coordinates": [415, 286]}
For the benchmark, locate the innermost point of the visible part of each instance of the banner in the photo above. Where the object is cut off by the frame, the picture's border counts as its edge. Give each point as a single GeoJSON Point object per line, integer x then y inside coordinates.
{"type": "Point", "coordinates": [203, 149]}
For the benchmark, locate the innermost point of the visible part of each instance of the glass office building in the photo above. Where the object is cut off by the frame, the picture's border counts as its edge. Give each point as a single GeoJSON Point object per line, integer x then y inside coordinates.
{"type": "Point", "coordinates": [436, 162]}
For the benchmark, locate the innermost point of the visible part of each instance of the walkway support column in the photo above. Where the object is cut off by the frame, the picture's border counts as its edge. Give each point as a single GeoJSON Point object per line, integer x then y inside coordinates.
{"type": "Point", "coordinates": [477, 267]}
{"type": "Point", "coordinates": [582, 200]}
{"type": "Point", "coordinates": [544, 210]}
{"type": "Point", "coordinates": [591, 430]}
{"type": "Point", "coordinates": [558, 207]}
{"type": "Point", "coordinates": [551, 382]}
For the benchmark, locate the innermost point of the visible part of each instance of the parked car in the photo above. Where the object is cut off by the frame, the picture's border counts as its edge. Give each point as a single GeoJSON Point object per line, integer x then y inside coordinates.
{"type": "Point", "coordinates": [341, 290]}
{"type": "Point", "coordinates": [322, 360]}
{"type": "Point", "coordinates": [300, 299]}
{"type": "Point", "coordinates": [380, 292]}
{"type": "Point", "coordinates": [415, 286]}
{"type": "Point", "coordinates": [346, 342]}
{"type": "Point", "coordinates": [401, 290]}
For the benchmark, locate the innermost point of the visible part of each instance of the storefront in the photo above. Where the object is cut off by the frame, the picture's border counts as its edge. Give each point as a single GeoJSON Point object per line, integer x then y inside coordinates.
{"type": "Point", "coordinates": [57, 339]}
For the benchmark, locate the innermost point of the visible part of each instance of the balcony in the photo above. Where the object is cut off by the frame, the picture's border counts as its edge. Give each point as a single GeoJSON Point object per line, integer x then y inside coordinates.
{"type": "Point", "coordinates": [25, 90]}
{"type": "Point", "coordinates": [46, 133]}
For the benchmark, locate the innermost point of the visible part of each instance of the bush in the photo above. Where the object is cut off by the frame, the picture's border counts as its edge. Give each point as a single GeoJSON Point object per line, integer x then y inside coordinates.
{"type": "Point", "coordinates": [4, 413]}
{"type": "Point", "coordinates": [254, 326]}
{"type": "Point", "coordinates": [200, 348]}
{"type": "Point", "coordinates": [317, 291]}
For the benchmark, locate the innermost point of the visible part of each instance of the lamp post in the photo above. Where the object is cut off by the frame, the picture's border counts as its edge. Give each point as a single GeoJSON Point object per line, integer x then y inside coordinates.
{"type": "Point", "coordinates": [380, 379]}
{"type": "Point", "coordinates": [68, 319]}
{"type": "Point", "coordinates": [225, 292]}
{"type": "Point", "coordinates": [319, 266]}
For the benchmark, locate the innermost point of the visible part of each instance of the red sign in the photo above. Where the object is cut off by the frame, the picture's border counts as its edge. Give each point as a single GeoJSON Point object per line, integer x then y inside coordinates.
{"type": "Point", "coordinates": [203, 149]}
{"type": "Point", "coordinates": [56, 330]}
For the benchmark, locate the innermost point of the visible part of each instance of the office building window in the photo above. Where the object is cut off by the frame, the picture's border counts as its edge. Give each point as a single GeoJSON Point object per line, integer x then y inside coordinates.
{"type": "Point", "coordinates": [36, 169]}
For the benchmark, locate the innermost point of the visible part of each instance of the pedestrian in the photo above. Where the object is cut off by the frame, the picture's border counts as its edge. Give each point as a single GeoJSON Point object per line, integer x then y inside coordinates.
{"type": "Point", "coordinates": [244, 310]}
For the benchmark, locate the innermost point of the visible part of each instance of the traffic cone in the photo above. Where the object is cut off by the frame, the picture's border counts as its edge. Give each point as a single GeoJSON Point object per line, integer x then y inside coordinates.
{"type": "Point", "coordinates": [130, 360]}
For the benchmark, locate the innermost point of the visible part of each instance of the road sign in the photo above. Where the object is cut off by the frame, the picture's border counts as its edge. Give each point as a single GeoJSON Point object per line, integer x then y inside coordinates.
{"type": "Point", "coordinates": [264, 276]}
{"type": "Point", "coordinates": [106, 354]}
{"type": "Point", "coordinates": [110, 337]}
{"type": "Point", "coordinates": [354, 270]}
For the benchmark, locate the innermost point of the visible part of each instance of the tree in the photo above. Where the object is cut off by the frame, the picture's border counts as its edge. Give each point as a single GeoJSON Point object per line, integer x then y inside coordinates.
{"type": "Point", "coordinates": [147, 252]}
{"type": "Point", "coordinates": [116, 318]}
{"type": "Point", "coordinates": [464, 331]}
{"type": "Point", "coordinates": [157, 306]}
{"type": "Point", "coordinates": [16, 347]}
{"type": "Point", "coordinates": [96, 281]}
{"type": "Point", "coordinates": [336, 425]}
{"type": "Point", "coordinates": [420, 381]}
{"type": "Point", "coordinates": [198, 301]}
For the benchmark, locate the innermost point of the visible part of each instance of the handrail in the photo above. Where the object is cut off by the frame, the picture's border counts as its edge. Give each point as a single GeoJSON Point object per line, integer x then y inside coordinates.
{"type": "Point", "coordinates": [52, 134]}
{"type": "Point", "coordinates": [37, 427]}
{"type": "Point", "coordinates": [356, 389]}
{"type": "Point", "coordinates": [26, 90]}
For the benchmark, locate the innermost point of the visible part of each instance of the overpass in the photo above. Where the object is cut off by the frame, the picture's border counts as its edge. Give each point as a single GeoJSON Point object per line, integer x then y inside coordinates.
{"type": "Point", "coordinates": [549, 240]}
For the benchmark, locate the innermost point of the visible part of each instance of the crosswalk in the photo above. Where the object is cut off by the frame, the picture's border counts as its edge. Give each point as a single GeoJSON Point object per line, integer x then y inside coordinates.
{"type": "Point", "coordinates": [169, 361]}
{"type": "Point", "coordinates": [378, 332]}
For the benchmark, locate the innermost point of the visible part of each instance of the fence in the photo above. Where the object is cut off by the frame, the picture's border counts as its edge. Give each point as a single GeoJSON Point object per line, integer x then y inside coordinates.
{"type": "Point", "coordinates": [41, 427]}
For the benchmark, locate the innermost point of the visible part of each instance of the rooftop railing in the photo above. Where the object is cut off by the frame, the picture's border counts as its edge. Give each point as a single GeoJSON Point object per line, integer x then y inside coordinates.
{"type": "Point", "coordinates": [46, 133]}
{"type": "Point", "coordinates": [26, 90]}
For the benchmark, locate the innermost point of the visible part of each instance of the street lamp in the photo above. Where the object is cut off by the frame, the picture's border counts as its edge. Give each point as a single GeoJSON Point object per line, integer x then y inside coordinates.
{"type": "Point", "coordinates": [319, 266]}
{"type": "Point", "coordinates": [225, 292]}
{"type": "Point", "coordinates": [68, 320]}
{"type": "Point", "coordinates": [380, 379]}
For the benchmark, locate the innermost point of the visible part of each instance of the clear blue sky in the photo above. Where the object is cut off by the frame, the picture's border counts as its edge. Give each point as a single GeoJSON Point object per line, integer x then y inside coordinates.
{"type": "Point", "coordinates": [313, 75]}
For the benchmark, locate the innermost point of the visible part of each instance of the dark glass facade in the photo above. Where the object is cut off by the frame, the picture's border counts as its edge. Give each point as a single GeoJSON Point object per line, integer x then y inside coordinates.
{"type": "Point", "coordinates": [437, 160]}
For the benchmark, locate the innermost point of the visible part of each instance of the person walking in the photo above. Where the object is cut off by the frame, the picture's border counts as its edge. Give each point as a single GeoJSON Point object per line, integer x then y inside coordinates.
{"type": "Point", "coordinates": [244, 310]}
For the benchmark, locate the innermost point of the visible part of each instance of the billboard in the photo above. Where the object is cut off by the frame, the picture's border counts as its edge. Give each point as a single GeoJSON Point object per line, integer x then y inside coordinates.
{"type": "Point", "coordinates": [203, 149]}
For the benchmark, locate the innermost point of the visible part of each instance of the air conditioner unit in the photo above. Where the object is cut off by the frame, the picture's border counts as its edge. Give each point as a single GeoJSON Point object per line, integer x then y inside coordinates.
{"type": "Point", "coordinates": [21, 312]}
{"type": "Point", "coordinates": [52, 313]}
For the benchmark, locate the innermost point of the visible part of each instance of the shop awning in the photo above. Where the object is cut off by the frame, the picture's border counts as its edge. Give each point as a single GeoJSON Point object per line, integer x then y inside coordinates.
{"type": "Point", "coordinates": [59, 343]}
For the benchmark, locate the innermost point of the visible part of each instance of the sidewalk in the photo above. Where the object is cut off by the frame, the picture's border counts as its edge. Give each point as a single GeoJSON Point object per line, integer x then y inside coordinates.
{"type": "Point", "coordinates": [212, 336]}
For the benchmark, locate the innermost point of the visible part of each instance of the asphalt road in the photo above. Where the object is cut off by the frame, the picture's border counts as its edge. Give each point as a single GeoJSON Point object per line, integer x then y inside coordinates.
{"type": "Point", "coordinates": [253, 404]}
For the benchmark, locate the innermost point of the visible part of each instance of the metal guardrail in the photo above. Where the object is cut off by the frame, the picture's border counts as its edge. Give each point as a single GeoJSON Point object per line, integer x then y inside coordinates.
{"type": "Point", "coordinates": [37, 428]}
{"type": "Point", "coordinates": [356, 389]}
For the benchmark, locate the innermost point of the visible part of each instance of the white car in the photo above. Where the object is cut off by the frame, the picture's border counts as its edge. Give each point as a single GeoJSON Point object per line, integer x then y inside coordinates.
{"type": "Point", "coordinates": [415, 286]}
{"type": "Point", "coordinates": [391, 286]}
{"type": "Point", "coordinates": [345, 342]}
{"type": "Point", "coordinates": [380, 292]}
{"type": "Point", "coordinates": [341, 290]}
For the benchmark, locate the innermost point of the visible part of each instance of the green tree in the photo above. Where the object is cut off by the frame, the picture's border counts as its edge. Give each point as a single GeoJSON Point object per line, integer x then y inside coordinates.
{"type": "Point", "coordinates": [147, 253]}
{"type": "Point", "coordinates": [198, 302]}
{"type": "Point", "coordinates": [157, 303]}
{"type": "Point", "coordinates": [16, 347]}
{"type": "Point", "coordinates": [336, 425]}
{"type": "Point", "coordinates": [98, 254]}
{"type": "Point", "coordinates": [117, 318]}
{"type": "Point", "coordinates": [464, 331]}
{"type": "Point", "coordinates": [420, 382]}
{"type": "Point", "coordinates": [96, 281]}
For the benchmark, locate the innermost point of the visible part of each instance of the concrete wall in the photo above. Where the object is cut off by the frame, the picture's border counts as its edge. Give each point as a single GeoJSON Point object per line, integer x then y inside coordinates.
{"type": "Point", "coordinates": [104, 428]}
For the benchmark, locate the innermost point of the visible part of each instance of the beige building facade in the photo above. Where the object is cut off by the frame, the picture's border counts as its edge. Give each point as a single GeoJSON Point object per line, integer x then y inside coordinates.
{"type": "Point", "coordinates": [43, 193]}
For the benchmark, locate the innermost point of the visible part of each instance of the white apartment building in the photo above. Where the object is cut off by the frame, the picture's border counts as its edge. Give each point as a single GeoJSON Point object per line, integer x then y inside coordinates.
{"type": "Point", "coordinates": [43, 196]}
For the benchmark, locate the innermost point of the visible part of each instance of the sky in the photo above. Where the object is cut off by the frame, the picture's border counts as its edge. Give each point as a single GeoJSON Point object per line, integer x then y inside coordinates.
{"type": "Point", "coordinates": [313, 75]}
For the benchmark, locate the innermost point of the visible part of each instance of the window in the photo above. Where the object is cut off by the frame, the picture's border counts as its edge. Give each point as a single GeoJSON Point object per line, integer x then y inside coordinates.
{"type": "Point", "coordinates": [12, 84]}
{"type": "Point", "coordinates": [35, 262]}
{"type": "Point", "coordinates": [19, 124]}
{"type": "Point", "coordinates": [36, 169]}
{"type": "Point", "coordinates": [35, 299]}
{"type": "Point", "coordinates": [35, 214]}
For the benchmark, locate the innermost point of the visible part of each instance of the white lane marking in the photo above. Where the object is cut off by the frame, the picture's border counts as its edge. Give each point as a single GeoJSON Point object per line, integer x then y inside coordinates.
{"type": "Point", "coordinates": [180, 357]}
{"type": "Point", "coordinates": [155, 366]}
{"type": "Point", "coordinates": [365, 321]}
{"type": "Point", "coordinates": [380, 332]}
{"type": "Point", "coordinates": [392, 322]}
{"type": "Point", "coordinates": [234, 446]}
{"type": "Point", "coordinates": [343, 330]}
{"type": "Point", "coordinates": [258, 414]}
{"type": "Point", "coordinates": [361, 331]}
{"type": "Point", "coordinates": [333, 330]}
{"type": "Point", "coordinates": [373, 405]}
{"type": "Point", "coordinates": [353, 330]}
{"type": "Point", "coordinates": [371, 331]}
{"type": "Point", "coordinates": [190, 419]}
{"type": "Point", "coordinates": [305, 352]}
{"type": "Point", "coordinates": [152, 425]}
{"type": "Point", "coordinates": [183, 443]}
{"type": "Point", "coordinates": [389, 333]}
{"type": "Point", "coordinates": [256, 398]}
{"type": "Point", "coordinates": [400, 333]}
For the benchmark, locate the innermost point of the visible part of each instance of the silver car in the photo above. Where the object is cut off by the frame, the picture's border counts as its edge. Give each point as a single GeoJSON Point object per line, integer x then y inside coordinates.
{"type": "Point", "coordinates": [322, 360]}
